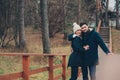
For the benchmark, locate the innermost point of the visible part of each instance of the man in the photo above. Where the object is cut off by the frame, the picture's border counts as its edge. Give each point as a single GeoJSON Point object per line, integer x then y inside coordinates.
{"type": "Point", "coordinates": [91, 59]}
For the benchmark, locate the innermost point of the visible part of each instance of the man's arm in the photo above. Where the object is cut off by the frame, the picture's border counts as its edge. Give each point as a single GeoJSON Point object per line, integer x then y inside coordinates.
{"type": "Point", "coordinates": [71, 37]}
{"type": "Point", "coordinates": [101, 43]}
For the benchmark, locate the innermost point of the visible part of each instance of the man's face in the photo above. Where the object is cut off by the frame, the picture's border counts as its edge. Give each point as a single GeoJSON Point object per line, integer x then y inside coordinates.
{"type": "Point", "coordinates": [84, 28]}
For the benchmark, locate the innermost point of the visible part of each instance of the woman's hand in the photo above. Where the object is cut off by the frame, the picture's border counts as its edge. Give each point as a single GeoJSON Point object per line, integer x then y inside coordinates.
{"type": "Point", "coordinates": [86, 47]}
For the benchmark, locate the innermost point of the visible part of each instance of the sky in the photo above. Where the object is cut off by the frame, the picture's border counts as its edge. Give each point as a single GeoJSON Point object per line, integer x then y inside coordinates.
{"type": "Point", "coordinates": [111, 4]}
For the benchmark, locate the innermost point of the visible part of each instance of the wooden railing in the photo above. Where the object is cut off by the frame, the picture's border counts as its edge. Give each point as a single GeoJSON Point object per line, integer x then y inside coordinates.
{"type": "Point", "coordinates": [110, 36]}
{"type": "Point", "coordinates": [99, 25]}
{"type": "Point", "coordinates": [25, 74]}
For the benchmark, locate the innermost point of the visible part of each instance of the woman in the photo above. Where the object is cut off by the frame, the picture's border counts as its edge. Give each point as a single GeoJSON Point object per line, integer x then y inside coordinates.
{"type": "Point", "coordinates": [76, 56]}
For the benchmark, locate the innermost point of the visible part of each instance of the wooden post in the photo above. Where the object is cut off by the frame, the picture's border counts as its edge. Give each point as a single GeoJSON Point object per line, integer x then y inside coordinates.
{"type": "Point", "coordinates": [26, 68]}
{"type": "Point", "coordinates": [63, 67]}
{"type": "Point", "coordinates": [51, 72]}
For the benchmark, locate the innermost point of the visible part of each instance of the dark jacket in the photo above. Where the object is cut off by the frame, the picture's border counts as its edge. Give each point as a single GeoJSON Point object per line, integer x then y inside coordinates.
{"type": "Point", "coordinates": [76, 56]}
{"type": "Point", "coordinates": [93, 39]}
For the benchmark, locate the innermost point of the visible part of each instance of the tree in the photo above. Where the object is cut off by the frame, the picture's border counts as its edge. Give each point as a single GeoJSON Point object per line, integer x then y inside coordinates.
{"type": "Point", "coordinates": [78, 16]}
{"type": "Point", "coordinates": [16, 22]}
{"type": "Point", "coordinates": [117, 14]}
{"type": "Point", "coordinates": [106, 13]}
{"type": "Point", "coordinates": [44, 26]}
{"type": "Point", "coordinates": [6, 18]}
{"type": "Point", "coordinates": [57, 16]}
{"type": "Point", "coordinates": [97, 11]}
{"type": "Point", "coordinates": [87, 10]}
{"type": "Point", "coordinates": [63, 7]}
{"type": "Point", "coordinates": [22, 39]}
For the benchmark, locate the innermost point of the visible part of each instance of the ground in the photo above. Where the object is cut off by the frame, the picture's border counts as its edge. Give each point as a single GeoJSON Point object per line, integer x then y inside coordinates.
{"type": "Point", "coordinates": [34, 45]}
{"type": "Point", "coordinates": [116, 40]}
{"type": "Point", "coordinates": [58, 45]}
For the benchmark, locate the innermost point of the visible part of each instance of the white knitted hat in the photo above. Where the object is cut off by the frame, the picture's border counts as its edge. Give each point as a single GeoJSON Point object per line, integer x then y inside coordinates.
{"type": "Point", "coordinates": [76, 27]}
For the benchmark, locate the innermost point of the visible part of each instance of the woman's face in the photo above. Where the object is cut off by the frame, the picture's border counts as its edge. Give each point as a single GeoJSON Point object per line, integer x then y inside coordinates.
{"type": "Point", "coordinates": [78, 32]}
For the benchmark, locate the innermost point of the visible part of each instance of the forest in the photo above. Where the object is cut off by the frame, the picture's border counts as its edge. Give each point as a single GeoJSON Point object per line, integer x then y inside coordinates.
{"type": "Point", "coordinates": [49, 17]}
{"type": "Point", "coordinates": [42, 27]}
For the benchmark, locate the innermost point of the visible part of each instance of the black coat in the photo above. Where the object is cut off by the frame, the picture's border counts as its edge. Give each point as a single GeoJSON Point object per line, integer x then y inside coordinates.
{"type": "Point", "coordinates": [76, 56]}
{"type": "Point", "coordinates": [93, 39]}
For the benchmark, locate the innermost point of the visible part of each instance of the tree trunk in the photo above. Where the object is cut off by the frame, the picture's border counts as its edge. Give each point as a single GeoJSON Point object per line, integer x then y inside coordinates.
{"type": "Point", "coordinates": [79, 7]}
{"type": "Point", "coordinates": [35, 14]}
{"type": "Point", "coordinates": [44, 26]}
{"type": "Point", "coordinates": [16, 24]}
{"type": "Point", "coordinates": [117, 14]}
{"type": "Point", "coordinates": [106, 13]}
{"type": "Point", "coordinates": [97, 18]}
{"type": "Point", "coordinates": [97, 12]}
{"type": "Point", "coordinates": [22, 40]}
{"type": "Point", "coordinates": [63, 6]}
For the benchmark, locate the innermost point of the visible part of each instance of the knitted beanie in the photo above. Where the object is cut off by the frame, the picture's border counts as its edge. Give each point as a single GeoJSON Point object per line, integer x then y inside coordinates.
{"type": "Point", "coordinates": [76, 27]}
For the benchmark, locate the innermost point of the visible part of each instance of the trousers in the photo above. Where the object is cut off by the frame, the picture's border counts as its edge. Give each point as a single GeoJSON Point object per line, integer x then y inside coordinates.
{"type": "Point", "coordinates": [74, 72]}
{"type": "Point", "coordinates": [92, 72]}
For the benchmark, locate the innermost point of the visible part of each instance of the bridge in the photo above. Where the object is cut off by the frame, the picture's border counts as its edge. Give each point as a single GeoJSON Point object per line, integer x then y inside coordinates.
{"type": "Point", "coordinates": [27, 72]}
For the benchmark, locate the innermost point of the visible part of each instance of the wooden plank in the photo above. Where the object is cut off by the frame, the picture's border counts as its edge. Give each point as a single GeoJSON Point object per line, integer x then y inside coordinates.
{"type": "Point", "coordinates": [30, 54]}
{"type": "Point", "coordinates": [110, 40]}
{"type": "Point", "coordinates": [51, 72]}
{"type": "Point", "coordinates": [57, 77]}
{"type": "Point", "coordinates": [26, 64]}
{"type": "Point", "coordinates": [44, 69]}
{"type": "Point", "coordinates": [99, 25]}
{"type": "Point", "coordinates": [39, 70]}
{"type": "Point", "coordinates": [57, 66]}
{"type": "Point", "coordinates": [11, 76]}
{"type": "Point", "coordinates": [64, 68]}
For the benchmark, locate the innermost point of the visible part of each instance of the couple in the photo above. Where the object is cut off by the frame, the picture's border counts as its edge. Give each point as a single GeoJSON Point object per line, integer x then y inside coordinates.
{"type": "Point", "coordinates": [84, 43]}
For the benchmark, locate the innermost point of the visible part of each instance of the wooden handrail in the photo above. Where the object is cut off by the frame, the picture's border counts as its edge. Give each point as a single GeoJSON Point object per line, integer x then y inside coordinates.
{"type": "Point", "coordinates": [99, 25]}
{"type": "Point", "coordinates": [110, 38]}
{"type": "Point", "coordinates": [25, 74]}
{"type": "Point", "coordinates": [30, 54]}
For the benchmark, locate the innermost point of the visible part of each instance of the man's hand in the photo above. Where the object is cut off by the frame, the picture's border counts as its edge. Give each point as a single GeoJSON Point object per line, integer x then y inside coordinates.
{"type": "Point", "coordinates": [110, 54]}
{"type": "Point", "coordinates": [86, 47]}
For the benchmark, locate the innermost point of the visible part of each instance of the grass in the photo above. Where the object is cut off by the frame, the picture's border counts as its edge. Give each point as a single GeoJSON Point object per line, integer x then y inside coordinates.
{"type": "Point", "coordinates": [116, 40]}
{"type": "Point", "coordinates": [34, 45]}
{"type": "Point", "coordinates": [9, 64]}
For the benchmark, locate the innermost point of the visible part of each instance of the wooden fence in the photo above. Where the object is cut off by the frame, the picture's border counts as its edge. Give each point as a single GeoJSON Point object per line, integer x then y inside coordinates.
{"type": "Point", "coordinates": [25, 74]}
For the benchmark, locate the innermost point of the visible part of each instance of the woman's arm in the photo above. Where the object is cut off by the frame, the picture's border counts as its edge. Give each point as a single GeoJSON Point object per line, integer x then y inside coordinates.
{"type": "Point", "coordinates": [77, 45]}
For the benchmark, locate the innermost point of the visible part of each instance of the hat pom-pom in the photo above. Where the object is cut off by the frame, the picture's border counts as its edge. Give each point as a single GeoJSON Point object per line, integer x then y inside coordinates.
{"type": "Point", "coordinates": [75, 24]}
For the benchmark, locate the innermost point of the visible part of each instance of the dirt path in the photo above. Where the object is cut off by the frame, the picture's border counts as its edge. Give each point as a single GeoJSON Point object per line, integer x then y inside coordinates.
{"type": "Point", "coordinates": [109, 67]}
